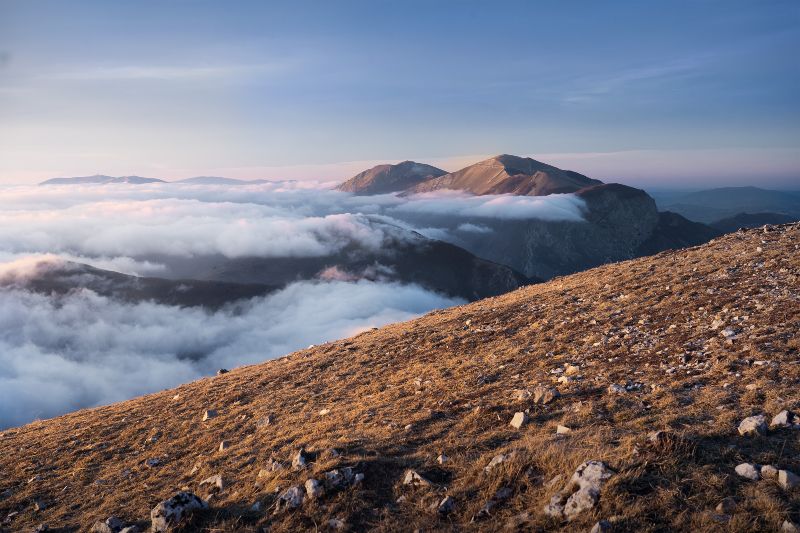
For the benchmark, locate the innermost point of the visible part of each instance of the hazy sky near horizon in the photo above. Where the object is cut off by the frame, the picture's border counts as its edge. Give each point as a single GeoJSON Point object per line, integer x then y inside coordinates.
{"type": "Point", "coordinates": [652, 94]}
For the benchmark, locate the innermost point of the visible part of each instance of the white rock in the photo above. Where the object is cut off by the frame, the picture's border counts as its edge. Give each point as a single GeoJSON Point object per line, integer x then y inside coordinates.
{"type": "Point", "coordinates": [323, 412]}
{"type": "Point", "coordinates": [788, 480]}
{"type": "Point", "coordinates": [562, 430]}
{"type": "Point", "coordinates": [522, 394]}
{"type": "Point", "coordinates": [415, 479]}
{"type": "Point", "coordinates": [299, 461]}
{"type": "Point", "coordinates": [753, 425]}
{"type": "Point", "coordinates": [769, 472]}
{"type": "Point", "coordinates": [209, 414]}
{"type": "Point", "coordinates": [519, 420]}
{"type": "Point", "coordinates": [172, 511]}
{"type": "Point", "coordinates": [545, 395]}
{"type": "Point", "coordinates": [785, 419]}
{"type": "Point", "coordinates": [748, 471]}
{"type": "Point", "coordinates": [335, 523]}
{"type": "Point", "coordinates": [615, 388]}
{"type": "Point", "coordinates": [497, 460]}
{"type": "Point", "coordinates": [292, 498]}
{"type": "Point", "coordinates": [580, 501]}
{"type": "Point", "coordinates": [789, 527]}
{"type": "Point", "coordinates": [314, 489]}
{"type": "Point", "coordinates": [603, 526]}
{"type": "Point", "coordinates": [224, 445]}
{"type": "Point", "coordinates": [571, 370]}
{"type": "Point", "coordinates": [215, 482]}
{"type": "Point", "coordinates": [442, 459]}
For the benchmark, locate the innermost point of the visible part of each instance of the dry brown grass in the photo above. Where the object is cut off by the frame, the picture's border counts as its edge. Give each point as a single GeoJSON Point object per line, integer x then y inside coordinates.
{"type": "Point", "coordinates": [614, 321]}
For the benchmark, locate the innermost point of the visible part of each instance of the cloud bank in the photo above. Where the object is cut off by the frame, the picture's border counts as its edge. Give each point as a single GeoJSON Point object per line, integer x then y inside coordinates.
{"type": "Point", "coordinates": [58, 354]}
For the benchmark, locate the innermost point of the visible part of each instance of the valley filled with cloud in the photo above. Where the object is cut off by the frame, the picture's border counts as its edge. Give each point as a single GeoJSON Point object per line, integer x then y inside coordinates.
{"type": "Point", "coordinates": [63, 350]}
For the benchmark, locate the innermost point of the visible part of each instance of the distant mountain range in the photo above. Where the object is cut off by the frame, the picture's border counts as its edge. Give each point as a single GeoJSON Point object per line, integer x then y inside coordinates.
{"type": "Point", "coordinates": [100, 179]}
{"type": "Point", "coordinates": [716, 204]}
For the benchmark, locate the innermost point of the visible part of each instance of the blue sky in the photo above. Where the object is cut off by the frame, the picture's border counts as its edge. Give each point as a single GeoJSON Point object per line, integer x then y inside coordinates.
{"type": "Point", "coordinates": [649, 93]}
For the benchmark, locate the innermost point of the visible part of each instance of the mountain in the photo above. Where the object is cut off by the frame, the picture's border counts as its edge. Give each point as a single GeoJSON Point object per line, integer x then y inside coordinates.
{"type": "Point", "coordinates": [715, 204]}
{"type": "Point", "coordinates": [619, 222]}
{"type": "Point", "coordinates": [384, 179]}
{"type": "Point", "coordinates": [403, 257]}
{"type": "Point", "coordinates": [100, 180]}
{"type": "Point", "coordinates": [751, 220]}
{"type": "Point", "coordinates": [54, 276]}
{"type": "Point", "coordinates": [646, 368]}
{"type": "Point", "coordinates": [508, 174]}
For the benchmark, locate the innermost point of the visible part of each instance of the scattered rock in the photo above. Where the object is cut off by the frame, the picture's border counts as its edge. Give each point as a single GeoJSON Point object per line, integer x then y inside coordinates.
{"type": "Point", "coordinates": [415, 479]}
{"type": "Point", "coordinates": [153, 462]}
{"type": "Point", "coordinates": [726, 506]}
{"type": "Point", "coordinates": [291, 499]}
{"type": "Point", "coordinates": [496, 460]}
{"type": "Point", "coordinates": [748, 471]}
{"type": "Point", "coordinates": [519, 420]}
{"type": "Point", "coordinates": [173, 511]}
{"type": "Point", "coordinates": [615, 388]}
{"type": "Point", "coordinates": [769, 472]}
{"type": "Point", "coordinates": [224, 445]}
{"type": "Point", "coordinates": [300, 461]}
{"type": "Point", "coordinates": [314, 489]}
{"type": "Point", "coordinates": [581, 493]}
{"type": "Point", "coordinates": [446, 506]}
{"type": "Point", "coordinates": [222, 371]}
{"type": "Point", "coordinates": [209, 414]}
{"type": "Point", "coordinates": [214, 482]}
{"type": "Point", "coordinates": [789, 527]}
{"type": "Point", "coordinates": [788, 480]}
{"type": "Point", "coordinates": [499, 497]}
{"type": "Point", "coordinates": [571, 370]}
{"type": "Point", "coordinates": [323, 412]}
{"type": "Point", "coordinates": [785, 419]}
{"type": "Point", "coordinates": [522, 394]}
{"type": "Point", "coordinates": [753, 425]}
{"type": "Point", "coordinates": [442, 459]}
{"type": "Point", "coordinates": [544, 395]}
{"type": "Point", "coordinates": [563, 430]}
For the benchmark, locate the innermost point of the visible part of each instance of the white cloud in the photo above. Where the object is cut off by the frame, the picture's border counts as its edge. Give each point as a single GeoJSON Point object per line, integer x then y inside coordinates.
{"type": "Point", "coordinates": [79, 350]}
{"type": "Point", "coordinates": [456, 203]}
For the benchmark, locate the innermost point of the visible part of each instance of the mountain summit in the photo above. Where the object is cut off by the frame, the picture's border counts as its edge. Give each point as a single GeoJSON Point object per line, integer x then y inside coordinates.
{"type": "Point", "coordinates": [384, 179]}
{"type": "Point", "coordinates": [509, 174]}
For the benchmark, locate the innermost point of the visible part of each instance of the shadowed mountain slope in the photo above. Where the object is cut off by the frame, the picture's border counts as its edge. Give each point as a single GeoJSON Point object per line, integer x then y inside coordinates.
{"type": "Point", "coordinates": [688, 343]}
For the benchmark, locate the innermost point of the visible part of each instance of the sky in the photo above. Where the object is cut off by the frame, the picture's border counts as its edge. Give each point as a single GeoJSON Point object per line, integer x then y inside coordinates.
{"type": "Point", "coordinates": [657, 94]}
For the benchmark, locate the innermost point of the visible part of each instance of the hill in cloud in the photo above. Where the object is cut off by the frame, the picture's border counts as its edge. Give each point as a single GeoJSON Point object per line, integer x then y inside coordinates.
{"type": "Point", "coordinates": [100, 180]}
{"type": "Point", "coordinates": [383, 179]}
{"type": "Point", "coordinates": [595, 396]}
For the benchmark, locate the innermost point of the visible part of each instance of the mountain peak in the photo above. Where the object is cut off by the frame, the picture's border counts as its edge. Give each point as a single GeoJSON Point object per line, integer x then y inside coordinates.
{"type": "Point", "coordinates": [387, 178]}
{"type": "Point", "coordinates": [509, 174]}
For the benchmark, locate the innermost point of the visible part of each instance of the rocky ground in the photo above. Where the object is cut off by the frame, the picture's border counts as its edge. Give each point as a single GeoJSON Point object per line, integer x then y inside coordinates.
{"type": "Point", "coordinates": [651, 395]}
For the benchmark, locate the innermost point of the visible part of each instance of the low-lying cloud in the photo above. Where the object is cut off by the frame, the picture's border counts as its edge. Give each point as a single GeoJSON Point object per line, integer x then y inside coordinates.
{"type": "Point", "coordinates": [63, 353]}
{"type": "Point", "coordinates": [504, 206]}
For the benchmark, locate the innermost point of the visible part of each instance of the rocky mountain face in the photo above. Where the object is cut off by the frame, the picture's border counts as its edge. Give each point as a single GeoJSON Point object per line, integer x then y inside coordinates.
{"type": "Point", "coordinates": [384, 179]}
{"type": "Point", "coordinates": [508, 174]}
{"type": "Point", "coordinates": [653, 394]}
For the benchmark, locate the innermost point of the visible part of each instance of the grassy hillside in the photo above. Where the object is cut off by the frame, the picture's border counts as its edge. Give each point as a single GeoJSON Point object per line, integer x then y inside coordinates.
{"type": "Point", "coordinates": [688, 343]}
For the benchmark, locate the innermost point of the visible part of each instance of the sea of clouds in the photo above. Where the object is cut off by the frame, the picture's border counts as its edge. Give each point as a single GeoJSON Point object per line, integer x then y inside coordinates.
{"type": "Point", "coordinates": [63, 352]}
